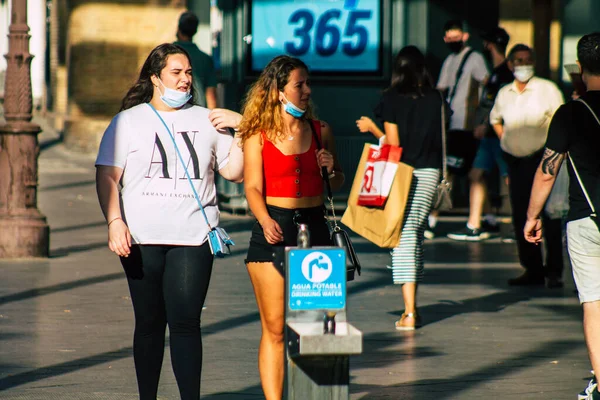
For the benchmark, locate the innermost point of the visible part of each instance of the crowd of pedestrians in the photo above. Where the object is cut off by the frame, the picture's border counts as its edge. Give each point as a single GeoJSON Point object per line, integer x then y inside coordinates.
{"type": "Point", "coordinates": [159, 156]}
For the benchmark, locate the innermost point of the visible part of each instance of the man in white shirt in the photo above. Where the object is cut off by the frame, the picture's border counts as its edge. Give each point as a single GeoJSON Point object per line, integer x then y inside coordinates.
{"type": "Point", "coordinates": [463, 74]}
{"type": "Point", "coordinates": [520, 117]}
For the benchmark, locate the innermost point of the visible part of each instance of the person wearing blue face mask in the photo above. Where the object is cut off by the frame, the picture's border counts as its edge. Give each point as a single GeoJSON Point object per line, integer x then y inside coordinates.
{"type": "Point", "coordinates": [285, 149]}
{"type": "Point", "coordinates": [174, 98]}
{"type": "Point", "coordinates": [155, 224]}
{"type": "Point", "coordinates": [291, 108]}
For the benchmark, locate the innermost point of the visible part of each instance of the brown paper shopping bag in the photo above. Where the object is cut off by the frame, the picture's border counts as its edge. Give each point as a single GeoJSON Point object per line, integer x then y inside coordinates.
{"type": "Point", "coordinates": [381, 226]}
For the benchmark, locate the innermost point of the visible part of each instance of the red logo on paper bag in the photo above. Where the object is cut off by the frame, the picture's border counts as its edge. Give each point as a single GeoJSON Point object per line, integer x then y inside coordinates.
{"type": "Point", "coordinates": [368, 178]}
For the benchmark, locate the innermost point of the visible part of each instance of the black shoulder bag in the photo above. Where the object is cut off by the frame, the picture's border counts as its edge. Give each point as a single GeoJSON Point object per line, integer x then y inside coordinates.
{"type": "Point", "coordinates": [339, 236]}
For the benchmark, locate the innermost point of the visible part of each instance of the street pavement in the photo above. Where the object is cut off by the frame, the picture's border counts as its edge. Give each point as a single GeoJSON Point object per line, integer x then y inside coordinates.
{"type": "Point", "coordinates": [66, 322]}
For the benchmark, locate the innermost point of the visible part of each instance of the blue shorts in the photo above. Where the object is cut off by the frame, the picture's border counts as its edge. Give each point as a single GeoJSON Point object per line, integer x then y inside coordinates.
{"type": "Point", "coordinates": [489, 155]}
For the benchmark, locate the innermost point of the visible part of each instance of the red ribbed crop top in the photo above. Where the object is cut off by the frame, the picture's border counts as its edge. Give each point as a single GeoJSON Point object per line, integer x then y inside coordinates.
{"type": "Point", "coordinates": [295, 175]}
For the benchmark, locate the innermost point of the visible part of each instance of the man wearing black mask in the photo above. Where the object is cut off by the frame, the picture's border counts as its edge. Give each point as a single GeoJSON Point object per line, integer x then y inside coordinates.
{"type": "Point", "coordinates": [463, 73]}
{"type": "Point", "coordinates": [489, 158]}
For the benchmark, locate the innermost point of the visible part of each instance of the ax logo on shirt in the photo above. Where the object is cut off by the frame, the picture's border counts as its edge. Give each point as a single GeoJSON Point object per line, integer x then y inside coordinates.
{"type": "Point", "coordinates": [160, 160]}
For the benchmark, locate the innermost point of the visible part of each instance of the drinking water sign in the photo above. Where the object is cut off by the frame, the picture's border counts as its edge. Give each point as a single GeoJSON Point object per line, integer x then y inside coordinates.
{"type": "Point", "coordinates": [316, 279]}
{"type": "Point", "coordinates": [328, 35]}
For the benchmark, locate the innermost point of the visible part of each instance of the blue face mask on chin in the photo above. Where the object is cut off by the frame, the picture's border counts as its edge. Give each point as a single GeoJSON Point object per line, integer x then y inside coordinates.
{"type": "Point", "coordinates": [174, 98]}
{"type": "Point", "coordinates": [292, 109]}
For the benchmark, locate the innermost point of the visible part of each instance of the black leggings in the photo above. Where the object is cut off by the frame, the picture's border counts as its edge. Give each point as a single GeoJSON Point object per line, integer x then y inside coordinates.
{"type": "Point", "coordinates": [168, 285]}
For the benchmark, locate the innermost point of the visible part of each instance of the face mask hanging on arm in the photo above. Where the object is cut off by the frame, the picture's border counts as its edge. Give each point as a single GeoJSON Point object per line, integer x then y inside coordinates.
{"type": "Point", "coordinates": [292, 109]}
{"type": "Point", "coordinates": [174, 98]}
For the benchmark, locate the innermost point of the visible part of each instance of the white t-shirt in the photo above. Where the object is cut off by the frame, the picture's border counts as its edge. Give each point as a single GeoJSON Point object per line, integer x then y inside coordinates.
{"type": "Point", "coordinates": [158, 203]}
{"type": "Point", "coordinates": [526, 115]}
{"type": "Point", "coordinates": [474, 73]}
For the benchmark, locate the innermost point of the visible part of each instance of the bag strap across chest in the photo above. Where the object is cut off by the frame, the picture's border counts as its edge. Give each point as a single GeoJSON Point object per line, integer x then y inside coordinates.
{"type": "Point", "coordinates": [585, 193]}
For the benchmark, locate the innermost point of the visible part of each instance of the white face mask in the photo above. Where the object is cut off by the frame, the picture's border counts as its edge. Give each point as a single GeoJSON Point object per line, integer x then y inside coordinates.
{"type": "Point", "coordinates": [523, 73]}
{"type": "Point", "coordinates": [174, 98]}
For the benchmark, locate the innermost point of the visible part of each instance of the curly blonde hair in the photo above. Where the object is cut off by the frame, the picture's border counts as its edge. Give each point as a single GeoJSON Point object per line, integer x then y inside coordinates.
{"type": "Point", "coordinates": [262, 109]}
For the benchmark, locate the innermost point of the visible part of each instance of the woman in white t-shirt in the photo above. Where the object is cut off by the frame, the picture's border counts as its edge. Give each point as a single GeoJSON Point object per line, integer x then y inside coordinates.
{"type": "Point", "coordinates": [154, 222]}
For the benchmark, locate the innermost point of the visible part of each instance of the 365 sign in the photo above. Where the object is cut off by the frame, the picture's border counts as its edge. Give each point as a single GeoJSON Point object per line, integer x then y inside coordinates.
{"type": "Point", "coordinates": [329, 35]}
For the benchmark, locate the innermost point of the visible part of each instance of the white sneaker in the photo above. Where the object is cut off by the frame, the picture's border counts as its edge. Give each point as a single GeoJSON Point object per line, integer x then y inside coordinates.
{"type": "Point", "coordinates": [587, 394]}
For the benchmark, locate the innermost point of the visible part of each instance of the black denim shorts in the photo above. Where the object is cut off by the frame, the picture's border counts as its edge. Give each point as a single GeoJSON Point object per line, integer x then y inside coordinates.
{"type": "Point", "coordinates": [461, 151]}
{"type": "Point", "coordinates": [288, 219]}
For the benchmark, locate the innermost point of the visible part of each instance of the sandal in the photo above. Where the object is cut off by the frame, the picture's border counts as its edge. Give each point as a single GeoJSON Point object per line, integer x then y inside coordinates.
{"type": "Point", "coordinates": [403, 325]}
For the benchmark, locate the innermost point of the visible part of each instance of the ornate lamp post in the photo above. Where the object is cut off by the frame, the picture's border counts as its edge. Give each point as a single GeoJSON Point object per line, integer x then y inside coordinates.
{"type": "Point", "coordinates": [23, 229]}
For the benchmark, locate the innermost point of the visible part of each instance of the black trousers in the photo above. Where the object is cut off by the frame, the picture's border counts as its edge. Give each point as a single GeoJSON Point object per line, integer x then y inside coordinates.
{"type": "Point", "coordinates": [521, 173]}
{"type": "Point", "coordinates": [168, 285]}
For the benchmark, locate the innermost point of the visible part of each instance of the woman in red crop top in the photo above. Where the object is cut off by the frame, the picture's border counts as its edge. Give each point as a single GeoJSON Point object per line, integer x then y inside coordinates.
{"type": "Point", "coordinates": [284, 187]}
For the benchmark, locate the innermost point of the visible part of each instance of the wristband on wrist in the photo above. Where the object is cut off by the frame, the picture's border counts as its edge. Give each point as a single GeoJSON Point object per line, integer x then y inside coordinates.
{"type": "Point", "coordinates": [113, 220]}
{"type": "Point", "coordinates": [331, 175]}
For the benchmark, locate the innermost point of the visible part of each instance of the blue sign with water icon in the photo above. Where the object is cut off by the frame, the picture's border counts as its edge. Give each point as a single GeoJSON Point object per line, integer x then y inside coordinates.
{"type": "Point", "coordinates": [316, 279]}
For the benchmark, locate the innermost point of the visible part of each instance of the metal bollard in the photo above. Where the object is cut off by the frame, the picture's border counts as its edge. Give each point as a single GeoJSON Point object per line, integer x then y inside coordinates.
{"type": "Point", "coordinates": [319, 340]}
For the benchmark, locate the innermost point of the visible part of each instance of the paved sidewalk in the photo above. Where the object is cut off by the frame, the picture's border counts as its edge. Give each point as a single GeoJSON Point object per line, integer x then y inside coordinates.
{"type": "Point", "coordinates": [66, 322]}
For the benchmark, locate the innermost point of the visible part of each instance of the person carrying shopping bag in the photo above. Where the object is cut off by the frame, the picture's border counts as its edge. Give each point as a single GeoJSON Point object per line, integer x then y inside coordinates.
{"type": "Point", "coordinates": [411, 111]}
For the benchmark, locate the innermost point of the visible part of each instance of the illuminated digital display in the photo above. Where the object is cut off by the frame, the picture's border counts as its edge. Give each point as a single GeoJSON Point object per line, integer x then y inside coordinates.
{"type": "Point", "coordinates": [328, 35]}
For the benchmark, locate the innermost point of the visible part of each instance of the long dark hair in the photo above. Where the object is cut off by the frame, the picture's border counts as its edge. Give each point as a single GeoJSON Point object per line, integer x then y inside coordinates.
{"type": "Point", "coordinates": [410, 75]}
{"type": "Point", "coordinates": [142, 91]}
